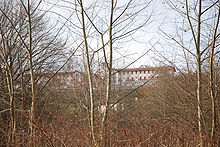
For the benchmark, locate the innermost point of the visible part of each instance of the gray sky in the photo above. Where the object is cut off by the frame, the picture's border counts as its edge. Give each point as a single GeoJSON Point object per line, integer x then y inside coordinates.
{"type": "Point", "coordinates": [151, 37]}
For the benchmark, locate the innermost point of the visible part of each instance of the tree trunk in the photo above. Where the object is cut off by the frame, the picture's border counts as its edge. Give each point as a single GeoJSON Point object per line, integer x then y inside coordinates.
{"type": "Point", "coordinates": [198, 69]}
{"type": "Point", "coordinates": [10, 84]}
{"type": "Point", "coordinates": [89, 77]}
{"type": "Point", "coordinates": [32, 129]}
{"type": "Point", "coordinates": [211, 83]}
{"type": "Point", "coordinates": [104, 139]}
{"type": "Point", "coordinates": [12, 139]}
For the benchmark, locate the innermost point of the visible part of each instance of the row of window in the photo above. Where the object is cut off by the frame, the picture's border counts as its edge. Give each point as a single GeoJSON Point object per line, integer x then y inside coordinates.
{"type": "Point", "coordinates": [136, 72]}
{"type": "Point", "coordinates": [132, 82]}
{"type": "Point", "coordinates": [140, 78]}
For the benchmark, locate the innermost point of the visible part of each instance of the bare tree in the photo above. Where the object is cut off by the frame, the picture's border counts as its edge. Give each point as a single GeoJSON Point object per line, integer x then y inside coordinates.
{"type": "Point", "coordinates": [213, 90]}
{"type": "Point", "coordinates": [21, 52]}
{"type": "Point", "coordinates": [198, 61]}
{"type": "Point", "coordinates": [88, 68]}
{"type": "Point", "coordinates": [202, 22]}
{"type": "Point", "coordinates": [109, 78]}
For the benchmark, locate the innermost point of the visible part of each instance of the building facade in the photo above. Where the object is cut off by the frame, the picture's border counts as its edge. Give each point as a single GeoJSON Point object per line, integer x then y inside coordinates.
{"type": "Point", "coordinates": [127, 77]}
{"type": "Point", "coordinates": [63, 80]}
{"type": "Point", "coordinates": [138, 76]}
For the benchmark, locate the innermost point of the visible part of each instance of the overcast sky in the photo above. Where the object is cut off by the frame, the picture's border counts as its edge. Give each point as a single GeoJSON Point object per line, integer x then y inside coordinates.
{"type": "Point", "coordinates": [148, 42]}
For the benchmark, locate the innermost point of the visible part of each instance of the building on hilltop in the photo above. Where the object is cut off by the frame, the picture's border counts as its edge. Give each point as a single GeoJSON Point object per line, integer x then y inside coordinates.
{"type": "Point", "coordinates": [127, 77]}
{"type": "Point", "coordinates": [133, 77]}
{"type": "Point", "coordinates": [63, 80]}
